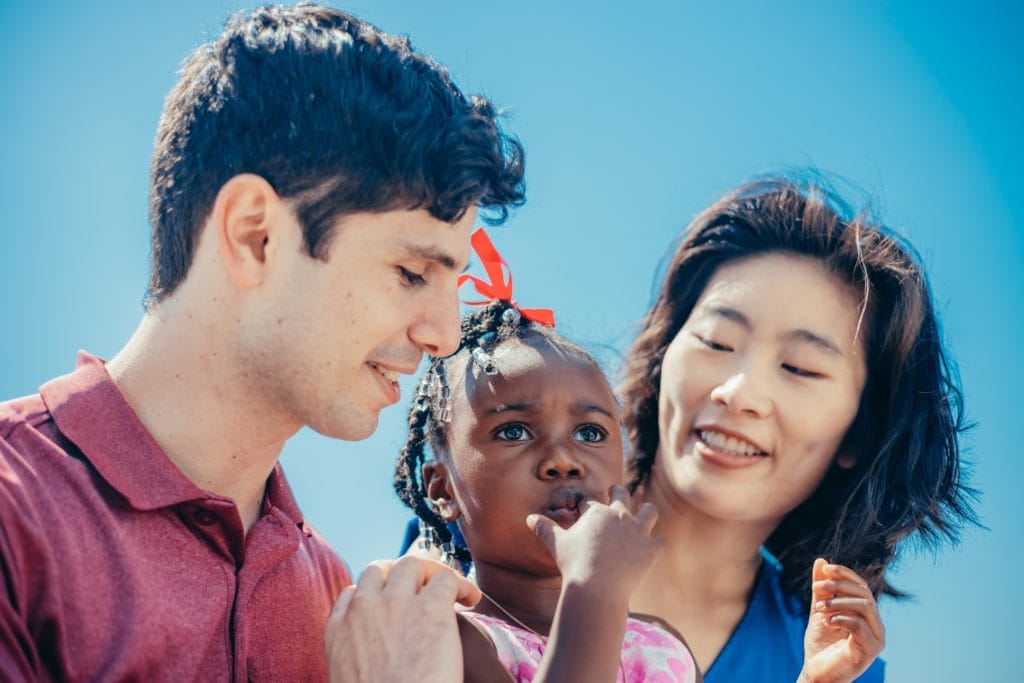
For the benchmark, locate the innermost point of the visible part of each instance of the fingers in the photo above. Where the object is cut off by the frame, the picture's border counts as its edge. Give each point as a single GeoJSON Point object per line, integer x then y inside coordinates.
{"type": "Point", "coordinates": [410, 575]}
{"type": "Point", "coordinates": [618, 496]}
{"type": "Point", "coordinates": [647, 517]}
{"type": "Point", "coordinates": [546, 529]}
{"type": "Point", "coordinates": [845, 601]}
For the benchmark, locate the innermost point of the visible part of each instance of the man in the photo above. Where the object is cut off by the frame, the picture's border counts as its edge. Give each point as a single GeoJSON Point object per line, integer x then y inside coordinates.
{"type": "Point", "coordinates": [313, 187]}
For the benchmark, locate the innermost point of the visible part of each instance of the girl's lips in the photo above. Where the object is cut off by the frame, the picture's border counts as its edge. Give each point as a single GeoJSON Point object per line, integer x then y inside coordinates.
{"type": "Point", "coordinates": [564, 506]}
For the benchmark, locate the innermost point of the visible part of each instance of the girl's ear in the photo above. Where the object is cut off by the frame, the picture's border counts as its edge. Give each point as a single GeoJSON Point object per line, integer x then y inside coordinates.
{"type": "Point", "coordinates": [438, 482]}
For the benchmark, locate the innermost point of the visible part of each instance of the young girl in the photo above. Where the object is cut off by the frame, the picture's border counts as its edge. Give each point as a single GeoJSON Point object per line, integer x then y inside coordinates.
{"type": "Point", "coordinates": [528, 463]}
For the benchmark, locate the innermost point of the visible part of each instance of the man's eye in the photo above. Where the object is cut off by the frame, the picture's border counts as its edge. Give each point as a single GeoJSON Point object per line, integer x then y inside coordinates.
{"type": "Point", "coordinates": [512, 432]}
{"type": "Point", "coordinates": [590, 434]}
{"type": "Point", "coordinates": [411, 278]}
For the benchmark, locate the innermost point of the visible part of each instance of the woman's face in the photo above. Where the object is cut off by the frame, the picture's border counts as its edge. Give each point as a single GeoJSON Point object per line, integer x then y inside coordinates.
{"type": "Point", "coordinates": [758, 389]}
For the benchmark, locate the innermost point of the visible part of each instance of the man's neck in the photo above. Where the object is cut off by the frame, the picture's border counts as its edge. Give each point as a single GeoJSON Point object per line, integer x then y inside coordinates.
{"type": "Point", "coordinates": [178, 375]}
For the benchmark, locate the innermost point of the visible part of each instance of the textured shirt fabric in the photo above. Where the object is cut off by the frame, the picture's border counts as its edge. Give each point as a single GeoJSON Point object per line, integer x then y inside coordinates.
{"type": "Point", "coordinates": [116, 567]}
{"type": "Point", "coordinates": [650, 654]}
{"type": "Point", "coordinates": [768, 643]}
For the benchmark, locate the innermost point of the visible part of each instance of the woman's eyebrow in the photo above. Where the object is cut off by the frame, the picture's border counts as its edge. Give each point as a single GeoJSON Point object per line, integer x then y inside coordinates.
{"type": "Point", "coordinates": [820, 341]}
{"type": "Point", "coordinates": [727, 313]}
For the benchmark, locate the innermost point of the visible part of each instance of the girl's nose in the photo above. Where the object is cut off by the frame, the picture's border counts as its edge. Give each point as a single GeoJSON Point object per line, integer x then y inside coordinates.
{"type": "Point", "coordinates": [743, 394]}
{"type": "Point", "coordinates": [559, 462]}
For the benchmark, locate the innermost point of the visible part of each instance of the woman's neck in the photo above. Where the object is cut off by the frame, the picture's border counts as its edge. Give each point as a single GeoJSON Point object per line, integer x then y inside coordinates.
{"type": "Point", "coordinates": [530, 599]}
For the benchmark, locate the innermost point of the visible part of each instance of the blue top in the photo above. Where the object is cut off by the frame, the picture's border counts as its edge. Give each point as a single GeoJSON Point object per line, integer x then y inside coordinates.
{"type": "Point", "coordinates": [768, 643]}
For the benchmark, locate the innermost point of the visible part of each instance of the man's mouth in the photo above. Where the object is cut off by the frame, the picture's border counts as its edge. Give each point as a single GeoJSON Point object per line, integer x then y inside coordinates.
{"type": "Point", "coordinates": [390, 375]}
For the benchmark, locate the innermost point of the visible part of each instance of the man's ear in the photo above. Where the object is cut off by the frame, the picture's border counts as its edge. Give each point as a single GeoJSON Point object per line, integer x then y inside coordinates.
{"type": "Point", "coordinates": [246, 218]}
{"type": "Point", "coordinates": [438, 483]}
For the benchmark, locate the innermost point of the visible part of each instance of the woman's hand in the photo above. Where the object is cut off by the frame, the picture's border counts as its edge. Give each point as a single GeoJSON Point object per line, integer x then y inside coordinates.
{"type": "Point", "coordinates": [608, 549]}
{"type": "Point", "coordinates": [845, 632]}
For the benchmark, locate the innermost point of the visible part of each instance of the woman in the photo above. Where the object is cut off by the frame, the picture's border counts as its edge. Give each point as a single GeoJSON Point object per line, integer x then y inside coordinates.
{"type": "Point", "coordinates": [788, 398]}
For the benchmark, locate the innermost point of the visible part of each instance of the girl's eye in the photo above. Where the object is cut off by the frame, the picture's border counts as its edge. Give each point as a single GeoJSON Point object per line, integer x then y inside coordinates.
{"type": "Point", "coordinates": [512, 432]}
{"type": "Point", "coordinates": [711, 344]}
{"type": "Point", "coordinates": [590, 434]}
{"type": "Point", "coordinates": [800, 372]}
{"type": "Point", "coordinates": [411, 278]}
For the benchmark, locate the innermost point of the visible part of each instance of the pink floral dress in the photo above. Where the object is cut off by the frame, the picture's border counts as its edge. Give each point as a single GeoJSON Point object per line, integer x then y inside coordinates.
{"type": "Point", "coordinates": [650, 654]}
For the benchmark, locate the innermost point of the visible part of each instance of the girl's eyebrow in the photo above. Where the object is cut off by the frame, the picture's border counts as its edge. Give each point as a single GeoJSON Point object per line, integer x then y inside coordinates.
{"type": "Point", "coordinates": [582, 408]}
{"type": "Point", "coordinates": [524, 407]}
{"type": "Point", "coordinates": [578, 408]}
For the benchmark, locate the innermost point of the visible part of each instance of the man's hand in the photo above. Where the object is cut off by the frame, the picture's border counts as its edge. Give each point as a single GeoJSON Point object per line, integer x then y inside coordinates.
{"type": "Point", "coordinates": [398, 624]}
{"type": "Point", "coordinates": [845, 632]}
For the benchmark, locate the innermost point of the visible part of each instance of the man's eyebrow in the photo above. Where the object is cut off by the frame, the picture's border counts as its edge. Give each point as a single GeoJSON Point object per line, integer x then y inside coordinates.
{"type": "Point", "coordinates": [817, 340]}
{"type": "Point", "coordinates": [429, 253]}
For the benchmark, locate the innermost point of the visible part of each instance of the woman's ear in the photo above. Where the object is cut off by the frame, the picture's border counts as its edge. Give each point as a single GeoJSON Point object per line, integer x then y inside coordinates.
{"type": "Point", "coordinates": [847, 460]}
{"type": "Point", "coordinates": [438, 483]}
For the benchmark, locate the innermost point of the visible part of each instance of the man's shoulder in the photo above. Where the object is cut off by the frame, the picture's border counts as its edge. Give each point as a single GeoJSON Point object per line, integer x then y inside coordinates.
{"type": "Point", "coordinates": [26, 411]}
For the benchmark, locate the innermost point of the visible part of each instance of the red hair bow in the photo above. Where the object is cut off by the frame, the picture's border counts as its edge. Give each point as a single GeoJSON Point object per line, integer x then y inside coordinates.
{"type": "Point", "coordinates": [498, 288]}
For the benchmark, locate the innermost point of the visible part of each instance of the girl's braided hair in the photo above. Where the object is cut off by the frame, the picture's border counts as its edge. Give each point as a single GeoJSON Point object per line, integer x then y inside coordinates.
{"type": "Point", "coordinates": [483, 331]}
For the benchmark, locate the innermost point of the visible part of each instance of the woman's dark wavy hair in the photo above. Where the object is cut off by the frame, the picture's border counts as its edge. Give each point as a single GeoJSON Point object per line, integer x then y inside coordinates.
{"type": "Point", "coordinates": [337, 116]}
{"type": "Point", "coordinates": [907, 478]}
{"type": "Point", "coordinates": [483, 331]}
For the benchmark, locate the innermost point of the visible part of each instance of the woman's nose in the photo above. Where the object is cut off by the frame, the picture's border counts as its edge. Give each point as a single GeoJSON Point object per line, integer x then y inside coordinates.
{"type": "Point", "coordinates": [743, 393]}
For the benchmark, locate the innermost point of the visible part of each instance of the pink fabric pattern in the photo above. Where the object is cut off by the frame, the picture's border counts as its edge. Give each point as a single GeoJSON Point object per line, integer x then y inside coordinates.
{"type": "Point", "coordinates": [650, 654]}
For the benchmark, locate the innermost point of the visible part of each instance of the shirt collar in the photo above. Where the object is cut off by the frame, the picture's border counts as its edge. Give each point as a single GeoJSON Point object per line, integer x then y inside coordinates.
{"type": "Point", "coordinates": [92, 413]}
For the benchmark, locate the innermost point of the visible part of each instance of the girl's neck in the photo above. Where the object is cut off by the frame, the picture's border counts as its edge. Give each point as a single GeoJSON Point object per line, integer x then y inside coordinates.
{"type": "Point", "coordinates": [530, 599]}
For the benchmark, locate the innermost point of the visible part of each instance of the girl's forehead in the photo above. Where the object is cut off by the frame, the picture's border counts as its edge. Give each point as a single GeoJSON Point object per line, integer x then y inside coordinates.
{"type": "Point", "coordinates": [529, 367]}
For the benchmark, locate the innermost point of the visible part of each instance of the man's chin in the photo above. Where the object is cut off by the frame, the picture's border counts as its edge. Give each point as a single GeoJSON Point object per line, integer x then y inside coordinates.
{"type": "Point", "coordinates": [350, 427]}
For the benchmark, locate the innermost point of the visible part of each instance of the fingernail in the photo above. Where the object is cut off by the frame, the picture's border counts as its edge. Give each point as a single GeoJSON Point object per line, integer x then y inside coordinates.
{"type": "Point", "coordinates": [819, 606]}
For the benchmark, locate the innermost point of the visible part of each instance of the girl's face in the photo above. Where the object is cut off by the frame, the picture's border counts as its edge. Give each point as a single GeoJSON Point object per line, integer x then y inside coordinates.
{"type": "Point", "coordinates": [758, 389]}
{"type": "Point", "coordinates": [536, 438]}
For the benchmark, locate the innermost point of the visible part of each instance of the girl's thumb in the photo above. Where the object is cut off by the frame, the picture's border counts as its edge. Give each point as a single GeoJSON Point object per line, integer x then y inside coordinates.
{"type": "Point", "coordinates": [544, 528]}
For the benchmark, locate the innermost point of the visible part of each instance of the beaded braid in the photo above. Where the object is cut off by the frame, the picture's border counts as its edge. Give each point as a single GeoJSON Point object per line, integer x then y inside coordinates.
{"type": "Point", "coordinates": [482, 332]}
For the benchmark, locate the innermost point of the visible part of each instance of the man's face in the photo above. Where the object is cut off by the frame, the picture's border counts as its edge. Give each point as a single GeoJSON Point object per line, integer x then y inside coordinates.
{"type": "Point", "coordinates": [325, 341]}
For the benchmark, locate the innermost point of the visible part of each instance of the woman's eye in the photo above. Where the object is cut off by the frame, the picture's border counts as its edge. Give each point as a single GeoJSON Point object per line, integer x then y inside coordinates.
{"type": "Point", "coordinates": [712, 344]}
{"type": "Point", "coordinates": [411, 278]}
{"type": "Point", "coordinates": [512, 432]}
{"type": "Point", "coordinates": [800, 372]}
{"type": "Point", "coordinates": [590, 434]}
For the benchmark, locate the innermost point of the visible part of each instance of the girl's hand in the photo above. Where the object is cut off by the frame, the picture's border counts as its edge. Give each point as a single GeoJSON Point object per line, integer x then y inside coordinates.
{"type": "Point", "coordinates": [608, 548]}
{"type": "Point", "coordinates": [845, 632]}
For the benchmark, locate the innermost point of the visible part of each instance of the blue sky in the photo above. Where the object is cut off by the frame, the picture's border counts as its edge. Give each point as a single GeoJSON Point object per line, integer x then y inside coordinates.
{"type": "Point", "coordinates": [634, 117]}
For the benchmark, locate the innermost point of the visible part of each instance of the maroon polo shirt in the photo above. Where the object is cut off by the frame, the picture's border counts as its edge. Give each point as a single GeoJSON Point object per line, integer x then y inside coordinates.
{"type": "Point", "coordinates": [117, 567]}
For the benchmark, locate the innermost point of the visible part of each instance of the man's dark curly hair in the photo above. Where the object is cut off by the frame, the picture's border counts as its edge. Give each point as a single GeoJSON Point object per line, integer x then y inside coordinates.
{"type": "Point", "coordinates": [906, 435]}
{"type": "Point", "coordinates": [337, 116]}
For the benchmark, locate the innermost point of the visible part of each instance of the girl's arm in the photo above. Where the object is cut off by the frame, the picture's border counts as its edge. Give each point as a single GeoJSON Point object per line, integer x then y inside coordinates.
{"type": "Point", "coordinates": [602, 558]}
{"type": "Point", "coordinates": [845, 632]}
